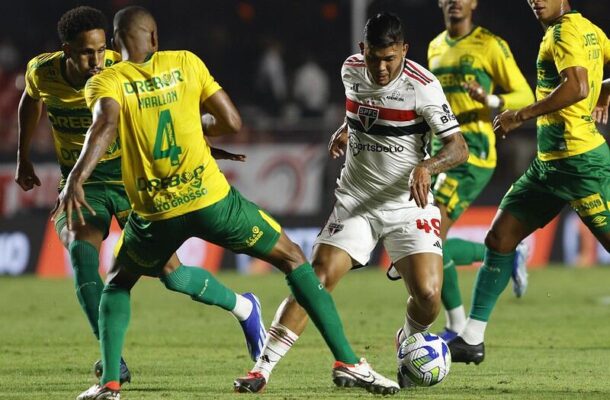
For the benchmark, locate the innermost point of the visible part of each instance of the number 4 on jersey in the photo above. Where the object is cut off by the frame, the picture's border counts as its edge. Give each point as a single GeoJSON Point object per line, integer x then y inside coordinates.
{"type": "Point", "coordinates": [166, 136]}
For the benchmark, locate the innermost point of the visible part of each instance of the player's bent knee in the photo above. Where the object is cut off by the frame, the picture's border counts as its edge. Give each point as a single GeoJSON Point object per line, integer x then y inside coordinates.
{"type": "Point", "coordinates": [498, 243]}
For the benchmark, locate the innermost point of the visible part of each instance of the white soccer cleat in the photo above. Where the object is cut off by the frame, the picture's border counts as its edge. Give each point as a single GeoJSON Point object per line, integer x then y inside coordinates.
{"type": "Point", "coordinates": [519, 273]}
{"type": "Point", "coordinates": [97, 392]}
{"type": "Point", "coordinates": [362, 375]}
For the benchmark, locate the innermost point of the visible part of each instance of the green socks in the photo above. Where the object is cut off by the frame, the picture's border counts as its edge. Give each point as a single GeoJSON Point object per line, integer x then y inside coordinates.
{"type": "Point", "coordinates": [313, 297]}
{"type": "Point", "coordinates": [457, 252]}
{"type": "Point", "coordinates": [491, 281]}
{"type": "Point", "coordinates": [85, 262]}
{"type": "Point", "coordinates": [114, 317]}
{"type": "Point", "coordinates": [201, 286]}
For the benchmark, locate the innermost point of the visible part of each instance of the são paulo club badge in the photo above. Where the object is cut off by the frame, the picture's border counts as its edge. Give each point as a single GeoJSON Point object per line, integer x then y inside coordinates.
{"type": "Point", "coordinates": [335, 227]}
{"type": "Point", "coordinates": [367, 116]}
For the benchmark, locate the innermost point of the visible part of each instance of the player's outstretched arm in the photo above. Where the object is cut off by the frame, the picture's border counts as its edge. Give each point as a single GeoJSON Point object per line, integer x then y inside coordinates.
{"type": "Point", "coordinates": [223, 117]}
{"type": "Point", "coordinates": [100, 135]}
{"type": "Point", "coordinates": [221, 154]}
{"type": "Point", "coordinates": [573, 88]}
{"type": "Point", "coordinates": [453, 153]}
{"type": "Point", "coordinates": [29, 112]}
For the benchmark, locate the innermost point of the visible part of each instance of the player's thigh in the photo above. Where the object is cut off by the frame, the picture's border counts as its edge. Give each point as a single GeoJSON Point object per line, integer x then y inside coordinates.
{"type": "Point", "coordinates": [240, 225]}
{"type": "Point", "coordinates": [587, 188]}
{"type": "Point", "coordinates": [351, 232]}
{"type": "Point", "coordinates": [95, 195]}
{"type": "Point", "coordinates": [331, 264]}
{"type": "Point", "coordinates": [118, 204]}
{"type": "Point", "coordinates": [145, 246]}
{"type": "Point", "coordinates": [531, 200]}
{"type": "Point", "coordinates": [422, 274]}
{"type": "Point", "coordinates": [457, 188]}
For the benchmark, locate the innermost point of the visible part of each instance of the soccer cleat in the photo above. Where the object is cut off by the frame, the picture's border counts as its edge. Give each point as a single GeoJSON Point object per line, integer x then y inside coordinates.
{"type": "Point", "coordinates": [463, 352]}
{"type": "Point", "coordinates": [447, 335]}
{"type": "Point", "coordinates": [125, 376]}
{"type": "Point", "coordinates": [254, 382]}
{"type": "Point", "coordinates": [362, 375]}
{"type": "Point", "coordinates": [519, 273]}
{"type": "Point", "coordinates": [98, 392]}
{"type": "Point", "coordinates": [254, 328]}
{"type": "Point", "coordinates": [392, 274]}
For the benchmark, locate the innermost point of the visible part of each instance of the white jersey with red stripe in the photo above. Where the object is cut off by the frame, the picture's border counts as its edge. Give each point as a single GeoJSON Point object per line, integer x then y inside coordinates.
{"type": "Point", "coordinates": [390, 129]}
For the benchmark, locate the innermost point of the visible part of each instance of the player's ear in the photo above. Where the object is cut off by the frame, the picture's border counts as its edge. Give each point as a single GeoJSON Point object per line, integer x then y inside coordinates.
{"type": "Point", "coordinates": [154, 40]}
{"type": "Point", "coordinates": [361, 45]}
{"type": "Point", "coordinates": [65, 47]}
{"type": "Point", "coordinates": [406, 48]}
{"type": "Point", "coordinates": [474, 4]}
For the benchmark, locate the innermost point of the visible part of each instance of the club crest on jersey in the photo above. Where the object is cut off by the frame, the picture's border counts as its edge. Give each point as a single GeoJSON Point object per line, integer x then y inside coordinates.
{"type": "Point", "coordinates": [368, 116]}
{"type": "Point", "coordinates": [335, 227]}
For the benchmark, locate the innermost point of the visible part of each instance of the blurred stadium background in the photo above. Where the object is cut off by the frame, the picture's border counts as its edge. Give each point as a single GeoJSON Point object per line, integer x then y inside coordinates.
{"type": "Point", "coordinates": [279, 60]}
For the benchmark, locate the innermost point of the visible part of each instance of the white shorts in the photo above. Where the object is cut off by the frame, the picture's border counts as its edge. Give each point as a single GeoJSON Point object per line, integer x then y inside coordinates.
{"type": "Point", "coordinates": [403, 231]}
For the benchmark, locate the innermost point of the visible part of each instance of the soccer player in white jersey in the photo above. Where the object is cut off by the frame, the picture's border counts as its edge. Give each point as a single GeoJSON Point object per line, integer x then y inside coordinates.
{"type": "Point", "coordinates": [393, 107]}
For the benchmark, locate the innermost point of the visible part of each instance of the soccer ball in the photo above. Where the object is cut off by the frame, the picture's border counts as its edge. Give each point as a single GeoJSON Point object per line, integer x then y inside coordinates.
{"type": "Point", "coordinates": [423, 359]}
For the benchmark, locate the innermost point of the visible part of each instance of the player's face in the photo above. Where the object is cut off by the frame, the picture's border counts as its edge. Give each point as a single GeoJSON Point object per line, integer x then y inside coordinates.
{"type": "Point", "coordinates": [87, 52]}
{"type": "Point", "coordinates": [384, 64]}
{"type": "Point", "coordinates": [457, 10]}
{"type": "Point", "coordinates": [547, 10]}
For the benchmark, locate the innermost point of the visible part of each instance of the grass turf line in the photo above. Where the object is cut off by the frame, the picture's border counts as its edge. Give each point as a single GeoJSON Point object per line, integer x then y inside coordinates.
{"type": "Point", "coordinates": [551, 344]}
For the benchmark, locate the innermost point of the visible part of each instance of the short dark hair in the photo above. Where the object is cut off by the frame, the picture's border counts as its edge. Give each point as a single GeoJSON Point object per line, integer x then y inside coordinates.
{"type": "Point", "coordinates": [384, 30]}
{"type": "Point", "coordinates": [80, 19]}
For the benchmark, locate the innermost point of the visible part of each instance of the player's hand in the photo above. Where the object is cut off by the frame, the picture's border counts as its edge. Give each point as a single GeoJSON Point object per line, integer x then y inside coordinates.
{"type": "Point", "coordinates": [475, 91]}
{"type": "Point", "coordinates": [338, 142]}
{"type": "Point", "coordinates": [600, 112]}
{"type": "Point", "coordinates": [506, 122]}
{"type": "Point", "coordinates": [71, 199]}
{"type": "Point", "coordinates": [25, 175]}
{"type": "Point", "coordinates": [221, 154]}
{"type": "Point", "coordinates": [420, 181]}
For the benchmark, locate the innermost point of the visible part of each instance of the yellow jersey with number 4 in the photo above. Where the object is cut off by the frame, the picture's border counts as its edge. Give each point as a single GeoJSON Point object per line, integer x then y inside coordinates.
{"type": "Point", "coordinates": [168, 170]}
{"type": "Point", "coordinates": [573, 41]}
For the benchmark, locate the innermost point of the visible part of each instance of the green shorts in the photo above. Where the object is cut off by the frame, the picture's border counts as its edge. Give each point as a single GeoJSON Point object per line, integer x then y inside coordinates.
{"type": "Point", "coordinates": [460, 187]}
{"type": "Point", "coordinates": [107, 200]}
{"type": "Point", "coordinates": [583, 181]}
{"type": "Point", "coordinates": [233, 223]}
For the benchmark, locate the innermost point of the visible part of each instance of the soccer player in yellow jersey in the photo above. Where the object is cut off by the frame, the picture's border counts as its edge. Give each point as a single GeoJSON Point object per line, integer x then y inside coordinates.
{"type": "Point", "coordinates": [153, 99]}
{"type": "Point", "coordinates": [57, 80]}
{"type": "Point", "coordinates": [572, 165]}
{"type": "Point", "coordinates": [471, 62]}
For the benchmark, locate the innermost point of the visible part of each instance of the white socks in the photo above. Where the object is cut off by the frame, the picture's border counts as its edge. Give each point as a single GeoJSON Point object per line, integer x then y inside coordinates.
{"type": "Point", "coordinates": [279, 340]}
{"type": "Point", "coordinates": [243, 308]}
{"type": "Point", "coordinates": [474, 332]}
{"type": "Point", "coordinates": [411, 326]}
{"type": "Point", "coordinates": [455, 319]}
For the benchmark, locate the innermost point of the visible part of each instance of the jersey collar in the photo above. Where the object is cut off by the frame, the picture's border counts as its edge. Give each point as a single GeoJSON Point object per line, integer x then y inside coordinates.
{"type": "Point", "coordinates": [453, 42]}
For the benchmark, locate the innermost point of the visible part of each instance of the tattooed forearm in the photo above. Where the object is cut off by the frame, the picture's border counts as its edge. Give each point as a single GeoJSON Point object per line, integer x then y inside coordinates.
{"type": "Point", "coordinates": [453, 153]}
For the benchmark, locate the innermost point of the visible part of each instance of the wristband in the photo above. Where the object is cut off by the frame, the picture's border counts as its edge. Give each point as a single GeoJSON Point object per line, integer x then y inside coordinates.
{"type": "Point", "coordinates": [493, 101]}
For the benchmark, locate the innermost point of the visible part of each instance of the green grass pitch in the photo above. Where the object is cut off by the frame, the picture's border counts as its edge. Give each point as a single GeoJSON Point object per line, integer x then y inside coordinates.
{"type": "Point", "coordinates": [554, 343]}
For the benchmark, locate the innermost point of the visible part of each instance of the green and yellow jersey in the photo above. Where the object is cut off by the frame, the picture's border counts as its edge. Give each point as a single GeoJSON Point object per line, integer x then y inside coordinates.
{"type": "Point", "coordinates": [485, 58]}
{"type": "Point", "coordinates": [45, 79]}
{"type": "Point", "coordinates": [168, 170]}
{"type": "Point", "coordinates": [573, 41]}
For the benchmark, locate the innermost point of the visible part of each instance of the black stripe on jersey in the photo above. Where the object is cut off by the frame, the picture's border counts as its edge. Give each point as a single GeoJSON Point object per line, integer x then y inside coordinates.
{"type": "Point", "coordinates": [448, 129]}
{"type": "Point", "coordinates": [383, 130]}
{"type": "Point", "coordinates": [417, 73]}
